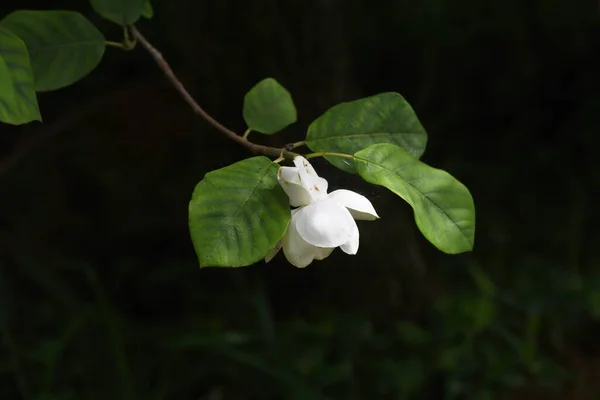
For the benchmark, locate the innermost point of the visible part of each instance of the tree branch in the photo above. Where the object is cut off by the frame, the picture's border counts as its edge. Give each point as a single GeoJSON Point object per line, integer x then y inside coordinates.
{"type": "Point", "coordinates": [164, 66]}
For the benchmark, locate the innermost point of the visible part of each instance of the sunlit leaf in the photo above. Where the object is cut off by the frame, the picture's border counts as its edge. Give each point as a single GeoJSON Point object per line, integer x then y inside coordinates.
{"type": "Point", "coordinates": [122, 12]}
{"type": "Point", "coordinates": [355, 125]}
{"type": "Point", "coordinates": [18, 102]}
{"type": "Point", "coordinates": [63, 45]}
{"type": "Point", "coordinates": [238, 213]}
{"type": "Point", "coordinates": [443, 207]}
{"type": "Point", "coordinates": [268, 107]}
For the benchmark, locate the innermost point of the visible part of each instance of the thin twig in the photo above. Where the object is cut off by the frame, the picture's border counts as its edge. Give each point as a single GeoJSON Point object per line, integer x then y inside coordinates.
{"type": "Point", "coordinates": [164, 66]}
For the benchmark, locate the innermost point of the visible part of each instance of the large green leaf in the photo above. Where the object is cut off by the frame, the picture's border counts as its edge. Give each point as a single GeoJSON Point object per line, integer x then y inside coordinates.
{"type": "Point", "coordinates": [18, 102]}
{"type": "Point", "coordinates": [443, 207]}
{"type": "Point", "coordinates": [238, 214]}
{"type": "Point", "coordinates": [122, 12]}
{"type": "Point", "coordinates": [63, 45]}
{"type": "Point", "coordinates": [355, 125]}
{"type": "Point", "coordinates": [268, 107]}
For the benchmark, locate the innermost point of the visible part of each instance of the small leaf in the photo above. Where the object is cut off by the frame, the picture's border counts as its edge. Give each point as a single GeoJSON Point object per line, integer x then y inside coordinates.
{"type": "Point", "coordinates": [148, 11]}
{"type": "Point", "coordinates": [238, 214]}
{"type": "Point", "coordinates": [63, 45]}
{"type": "Point", "coordinates": [268, 107]}
{"type": "Point", "coordinates": [121, 12]}
{"type": "Point", "coordinates": [352, 126]}
{"type": "Point", "coordinates": [443, 207]}
{"type": "Point", "coordinates": [18, 102]}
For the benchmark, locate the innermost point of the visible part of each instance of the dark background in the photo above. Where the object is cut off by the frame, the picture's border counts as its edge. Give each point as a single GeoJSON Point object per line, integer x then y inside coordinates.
{"type": "Point", "coordinates": [102, 297]}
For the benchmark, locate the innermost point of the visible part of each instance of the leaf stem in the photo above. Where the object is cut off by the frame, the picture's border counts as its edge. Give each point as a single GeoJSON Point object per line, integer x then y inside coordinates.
{"type": "Point", "coordinates": [326, 154]}
{"type": "Point", "coordinates": [127, 42]}
{"type": "Point", "coordinates": [126, 37]}
{"type": "Point", "coordinates": [116, 44]}
{"type": "Point", "coordinates": [164, 66]}
{"type": "Point", "coordinates": [292, 146]}
{"type": "Point", "coordinates": [281, 157]}
{"type": "Point", "coordinates": [247, 133]}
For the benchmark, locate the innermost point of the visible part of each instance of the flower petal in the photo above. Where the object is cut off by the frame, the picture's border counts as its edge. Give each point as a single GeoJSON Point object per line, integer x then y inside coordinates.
{"type": "Point", "coordinates": [297, 251]}
{"type": "Point", "coordinates": [311, 181]}
{"type": "Point", "coordinates": [273, 252]}
{"type": "Point", "coordinates": [302, 162]}
{"type": "Point", "coordinates": [289, 179]}
{"type": "Point", "coordinates": [322, 253]}
{"type": "Point", "coordinates": [351, 246]}
{"type": "Point", "coordinates": [359, 206]}
{"type": "Point", "coordinates": [316, 186]}
{"type": "Point", "coordinates": [325, 224]}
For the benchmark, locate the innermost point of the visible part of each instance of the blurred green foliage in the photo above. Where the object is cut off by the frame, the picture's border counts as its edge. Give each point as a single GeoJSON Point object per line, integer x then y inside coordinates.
{"type": "Point", "coordinates": [100, 293]}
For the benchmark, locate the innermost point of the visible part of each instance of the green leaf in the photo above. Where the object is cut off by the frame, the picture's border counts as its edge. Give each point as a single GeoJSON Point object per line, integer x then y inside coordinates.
{"type": "Point", "coordinates": [18, 102]}
{"type": "Point", "coordinates": [355, 125]}
{"type": "Point", "coordinates": [238, 214]}
{"type": "Point", "coordinates": [63, 45]}
{"type": "Point", "coordinates": [148, 11]}
{"type": "Point", "coordinates": [121, 12]}
{"type": "Point", "coordinates": [268, 107]}
{"type": "Point", "coordinates": [443, 207]}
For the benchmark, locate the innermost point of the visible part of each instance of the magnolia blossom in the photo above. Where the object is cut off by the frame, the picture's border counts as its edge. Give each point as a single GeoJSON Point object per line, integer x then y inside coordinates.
{"type": "Point", "coordinates": [322, 221]}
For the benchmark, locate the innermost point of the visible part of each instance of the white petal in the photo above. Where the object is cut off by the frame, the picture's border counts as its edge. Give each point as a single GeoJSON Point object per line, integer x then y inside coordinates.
{"type": "Point", "coordinates": [351, 246]}
{"type": "Point", "coordinates": [273, 252]}
{"type": "Point", "coordinates": [359, 206]}
{"type": "Point", "coordinates": [302, 162]}
{"type": "Point", "coordinates": [311, 181]}
{"type": "Point", "coordinates": [289, 179]}
{"type": "Point", "coordinates": [318, 191]}
{"type": "Point", "coordinates": [322, 253]}
{"type": "Point", "coordinates": [325, 224]}
{"type": "Point", "coordinates": [297, 251]}
{"type": "Point", "coordinates": [316, 186]}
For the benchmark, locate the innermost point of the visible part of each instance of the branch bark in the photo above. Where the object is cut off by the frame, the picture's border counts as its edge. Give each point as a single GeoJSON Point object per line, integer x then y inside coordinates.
{"type": "Point", "coordinates": [189, 99]}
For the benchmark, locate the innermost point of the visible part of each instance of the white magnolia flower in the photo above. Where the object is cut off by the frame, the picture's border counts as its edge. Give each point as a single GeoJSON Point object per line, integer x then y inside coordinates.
{"type": "Point", "coordinates": [322, 221]}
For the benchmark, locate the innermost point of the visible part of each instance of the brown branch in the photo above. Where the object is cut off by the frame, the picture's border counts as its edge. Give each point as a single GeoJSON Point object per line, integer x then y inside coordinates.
{"type": "Point", "coordinates": [164, 66]}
